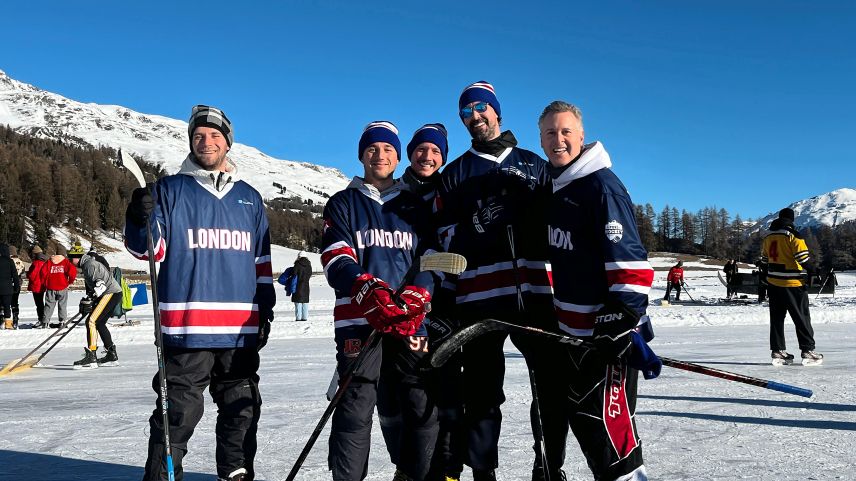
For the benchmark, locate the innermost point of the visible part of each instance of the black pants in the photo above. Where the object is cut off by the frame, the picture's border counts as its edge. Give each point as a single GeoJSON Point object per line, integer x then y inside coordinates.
{"type": "Point", "coordinates": [96, 323]}
{"type": "Point", "coordinates": [39, 299]}
{"type": "Point", "coordinates": [793, 301]}
{"type": "Point", "coordinates": [390, 379]}
{"type": "Point", "coordinates": [6, 302]}
{"type": "Point", "coordinates": [230, 376]}
{"type": "Point", "coordinates": [673, 285]}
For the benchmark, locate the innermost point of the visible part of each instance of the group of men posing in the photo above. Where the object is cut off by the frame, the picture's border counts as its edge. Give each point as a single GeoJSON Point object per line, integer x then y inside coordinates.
{"type": "Point", "coordinates": [552, 245]}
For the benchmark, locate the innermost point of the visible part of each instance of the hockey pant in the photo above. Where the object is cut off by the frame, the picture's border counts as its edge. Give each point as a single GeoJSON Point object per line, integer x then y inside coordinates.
{"type": "Point", "coordinates": [230, 376]}
{"type": "Point", "coordinates": [793, 301]}
{"type": "Point", "coordinates": [600, 402]}
{"type": "Point", "coordinates": [39, 299]}
{"type": "Point", "coordinates": [676, 287]}
{"type": "Point", "coordinates": [54, 299]}
{"type": "Point", "coordinates": [390, 379]}
{"type": "Point", "coordinates": [96, 323]}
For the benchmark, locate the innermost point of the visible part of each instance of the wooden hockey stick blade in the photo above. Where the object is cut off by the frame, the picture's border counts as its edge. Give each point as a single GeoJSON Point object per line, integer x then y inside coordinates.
{"type": "Point", "coordinates": [129, 163]}
{"type": "Point", "coordinates": [444, 262]}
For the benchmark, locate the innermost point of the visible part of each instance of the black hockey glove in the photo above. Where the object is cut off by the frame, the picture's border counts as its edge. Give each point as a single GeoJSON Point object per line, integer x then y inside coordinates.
{"type": "Point", "coordinates": [491, 214]}
{"type": "Point", "coordinates": [141, 206]}
{"type": "Point", "coordinates": [264, 329]}
{"type": "Point", "coordinates": [612, 326]}
{"type": "Point", "coordinates": [85, 306]}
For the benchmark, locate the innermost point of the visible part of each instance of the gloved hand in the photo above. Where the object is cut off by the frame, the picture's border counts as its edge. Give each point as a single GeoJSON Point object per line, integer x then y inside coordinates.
{"type": "Point", "coordinates": [265, 319]}
{"type": "Point", "coordinates": [417, 303]}
{"type": "Point", "coordinates": [613, 324]}
{"type": "Point", "coordinates": [99, 288]}
{"type": "Point", "coordinates": [141, 206]}
{"type": "Point", "coordinates": [374, 296]}
{"type": "Point", "coordinates": [85, 306]}
{"type": "Point", "coordinates": [490, 215]}
{"type": "Point", "coordinates": [643, 358]}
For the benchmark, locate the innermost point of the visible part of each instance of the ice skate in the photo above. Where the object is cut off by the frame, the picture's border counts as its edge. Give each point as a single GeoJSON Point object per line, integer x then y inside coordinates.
{"type": "Point", "coordinates": [110, 358]}
{"type": "Point", "coordinates": [89, 360]}
{"type": "Point", "coordinates": [782, 358]}
{"type": "Point", "coordinates": [811, 358]}
{"type": "Point", "coordinates": [239, 474]}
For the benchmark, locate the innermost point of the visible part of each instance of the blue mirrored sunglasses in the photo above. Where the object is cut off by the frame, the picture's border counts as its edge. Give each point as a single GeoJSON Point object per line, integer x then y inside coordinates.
{"type": "Point", "coordinates": [480, 107]}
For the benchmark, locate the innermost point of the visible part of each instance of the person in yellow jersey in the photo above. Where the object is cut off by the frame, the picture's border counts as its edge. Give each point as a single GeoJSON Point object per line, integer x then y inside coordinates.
{"type": "Point", "coordinates": [785, 252]}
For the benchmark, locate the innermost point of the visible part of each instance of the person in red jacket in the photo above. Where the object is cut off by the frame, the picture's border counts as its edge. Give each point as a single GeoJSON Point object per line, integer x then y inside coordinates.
{"type": "Point", "coordinates": [35, 285]}
{"type": "Point", "coordinates": [57, 274]}
{"type": "Point", "coordinates": [675, 280]}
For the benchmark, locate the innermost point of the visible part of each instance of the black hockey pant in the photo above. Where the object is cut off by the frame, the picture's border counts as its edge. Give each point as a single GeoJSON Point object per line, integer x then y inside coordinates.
{"type": "Point", "coordinates": [793, 301]}
{"type": "Point", "coordinates": [676, 287]}
{"type": "Point", "coordinates": [39, 299]}
{"type": "Point", "coordinates": [390, 379]}
{"type": "Point", "coordinates": [96, 323]}
{"type": "Point", "coordinates": [230, 375]}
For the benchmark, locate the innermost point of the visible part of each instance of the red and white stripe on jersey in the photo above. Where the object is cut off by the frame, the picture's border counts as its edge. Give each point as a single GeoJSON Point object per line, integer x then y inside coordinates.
{"type": "Point", "coordinates": [617, 418]}
{"type": "Point", "coordinates": [178, 318]}
{"type": "Point", "coordinates": [264, 270]}
{"type": "Point", "coordinates": [629, 276]}
{"type": "Point", "coordinates": [159, 248]}
{"type": "Point", "coordinates": [335, 251]}
{"type": "Point", "coordinates": [346, 313]}
{"type": "Point", "coordinates": [501, 279]}
{"type": "Point", "coordinates": [576, 319]}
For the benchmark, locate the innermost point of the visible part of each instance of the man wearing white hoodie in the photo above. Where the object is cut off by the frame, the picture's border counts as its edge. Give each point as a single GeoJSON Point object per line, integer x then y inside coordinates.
{"type": "Point", "coordinates": [601, 278]}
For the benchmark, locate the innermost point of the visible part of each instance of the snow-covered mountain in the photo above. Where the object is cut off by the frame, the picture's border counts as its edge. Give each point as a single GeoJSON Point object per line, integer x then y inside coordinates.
{"type": "Point", "coordinates": [831, 209]}
{"type": "Point", "coordinates": [161, 140]}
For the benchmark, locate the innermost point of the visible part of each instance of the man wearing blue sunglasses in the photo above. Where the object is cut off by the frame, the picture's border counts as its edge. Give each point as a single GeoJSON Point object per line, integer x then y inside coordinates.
{"type": "Point", "coordinates": [490, 204]}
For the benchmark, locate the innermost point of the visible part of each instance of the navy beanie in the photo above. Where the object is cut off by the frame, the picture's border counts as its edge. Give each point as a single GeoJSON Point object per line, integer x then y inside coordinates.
{"type": "Point", "coordinates": [787, 213]}
{"type": "Point", "coordinates": [379, 131]}
{"type": "Point", "coordinates": [205, 116]}
{"type": "Point", "coordinates": [480, 91]}
{"type": "Point", "coordinates": [433, 133]}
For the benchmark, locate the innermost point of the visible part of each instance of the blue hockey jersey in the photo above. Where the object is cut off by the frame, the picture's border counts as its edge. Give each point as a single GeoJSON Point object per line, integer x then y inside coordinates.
{"type": "Point", "coordinates": [497, 284]}
{"type": "Point", "coordinates": [211, 235]}
{"type": "Point", "coordinates": [369, 231]}
{"type": "Point", "coordinates": [595, 250]}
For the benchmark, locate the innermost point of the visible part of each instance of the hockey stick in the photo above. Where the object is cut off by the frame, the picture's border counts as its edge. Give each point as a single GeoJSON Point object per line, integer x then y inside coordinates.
{"type": "Point", "coordinates": [24, 361]}
{"type": "Point", "coordinates": [441, 261]}
{"type": "Point", "coordinates": [461, 337]}
{"type": "Point", "coordinates": [824, 283]}
{"type": "Point", "coordinates": [134, 169]}
{"type": "Point", "coordinates": [731, 376]}
{"type": "Point", "coordinates": [687, 292]}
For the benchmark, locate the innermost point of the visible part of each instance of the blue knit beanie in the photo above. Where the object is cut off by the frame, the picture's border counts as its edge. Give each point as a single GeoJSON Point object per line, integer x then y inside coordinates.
{"type": "Point", "coordinates": [379, 131]}
{"type": "Point", "coordinates": [433, 133]}
{"type": "Point", "coordinates": [480, 91]}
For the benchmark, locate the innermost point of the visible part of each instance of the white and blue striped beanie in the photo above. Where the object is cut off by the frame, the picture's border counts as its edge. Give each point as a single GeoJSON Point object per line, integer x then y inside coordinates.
{"type": "Point", "coordinates": [379, 131]}
{"type": "Point", "coordinates": [480, 91]}
{"type": "Point", "coordinates": [433, 133]}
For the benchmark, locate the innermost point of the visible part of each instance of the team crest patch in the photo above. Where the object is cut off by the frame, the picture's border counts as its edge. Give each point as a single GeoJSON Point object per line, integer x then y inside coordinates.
{"type": "Point", "coordinates": [614, 231]}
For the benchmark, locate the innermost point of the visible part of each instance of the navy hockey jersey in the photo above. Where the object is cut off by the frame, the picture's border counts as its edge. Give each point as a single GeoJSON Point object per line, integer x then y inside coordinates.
{"type": "Point", "coordinates": [211, 236]}
{"type": "Point", "coordinates": [497, 284]}
{"type": "Point", "coordinates": [595, 250]}
{"type": "Point", "coordinates": [369, 231]}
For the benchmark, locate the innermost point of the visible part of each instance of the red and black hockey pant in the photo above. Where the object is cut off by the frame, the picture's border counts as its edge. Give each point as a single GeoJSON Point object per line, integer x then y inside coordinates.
{"type": "Point", "coordinates": [230, 376]}
{"type": "Point", "coordinates": [389, 378]}
{"type": "Point", "coordinates": [793, 301]}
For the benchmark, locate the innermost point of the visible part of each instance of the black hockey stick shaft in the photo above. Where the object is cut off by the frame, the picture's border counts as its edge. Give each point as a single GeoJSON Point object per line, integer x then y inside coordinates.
{"type": "Point", "coordinates": [348, 376]}
{"type": "Point", "coordinates": [51, 336]}
{"type": "Point", "coordinates": [59, 340]}
{"type": "Point", "coordinates": [824, 283]}
{"type": "Point", "coordinates": [731, 376]}
{"type": "Point", "coordinates": [687, 291]}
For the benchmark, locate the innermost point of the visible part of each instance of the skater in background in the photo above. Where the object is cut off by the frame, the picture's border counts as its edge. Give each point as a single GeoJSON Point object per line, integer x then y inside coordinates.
{"type": "Point", "coordinates": [10, 282]}
{"type": "Point", "coordinates": [106, 293]}
{"type": "Point", "coordinates": [785, 253]}
{"type": "Point", "coordinates": [674, 280]}
{"type": "Point", "coordinates": [761, 264]}
{"type": "Point", "coordinates": [56, 275]}
{"type": "Point", "coordinates": [216, 300]}
{"type": "Point", "coordinates": [21, 269]}
{"type": "Point", "coordinates": [35, 283]}
{"type": "Point", "coordinates": [300, 298]}
{"type": "Point", "coordinates": [730, 270]}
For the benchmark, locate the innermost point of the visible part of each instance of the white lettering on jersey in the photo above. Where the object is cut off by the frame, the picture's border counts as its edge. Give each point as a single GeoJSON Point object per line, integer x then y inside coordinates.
{"type": "Point", "coordinates": [219, 239]}
{"type": "Point", "coordinates": [382, 238]}
{"type": "Point", "coordinates": [560, 238]}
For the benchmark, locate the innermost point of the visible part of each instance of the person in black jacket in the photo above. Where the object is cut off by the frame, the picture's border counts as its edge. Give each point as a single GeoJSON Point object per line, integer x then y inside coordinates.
{"type": "Point", "coordinates": [10, 283]}
{"type": "Point", "coordinates": [730, 270]}
{"type": "Point", "coordinates": [300, 298]}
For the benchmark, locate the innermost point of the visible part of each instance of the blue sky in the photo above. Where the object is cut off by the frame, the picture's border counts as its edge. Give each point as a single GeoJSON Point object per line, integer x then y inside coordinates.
{"type": "Point", "coordinates": [743, 105]}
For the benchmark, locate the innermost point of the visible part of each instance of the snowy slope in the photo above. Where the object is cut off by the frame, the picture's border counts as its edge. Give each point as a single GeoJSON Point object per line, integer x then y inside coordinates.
{"type": "Point", "coordinates": [831, 209]}
{"type": "Point", "coordinates": [157, 139]}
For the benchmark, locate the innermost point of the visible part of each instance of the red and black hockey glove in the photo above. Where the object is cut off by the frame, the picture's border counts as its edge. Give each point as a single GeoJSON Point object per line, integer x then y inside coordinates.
{"type": "Point", "coordinates": [374, 296]}
{"type": "Point", "coordinates": [417, 303]}
{"type": "Point", "coordinates": [612, 326]}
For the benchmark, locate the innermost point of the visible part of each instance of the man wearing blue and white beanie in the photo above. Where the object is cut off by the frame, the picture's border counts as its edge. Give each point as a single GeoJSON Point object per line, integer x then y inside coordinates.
{"type": "Point", "coordinates": [373, 232]}
{"type": "Point", "coordinates": [427, 152]}
{"type": "Point", "coordinates": [490, 206]}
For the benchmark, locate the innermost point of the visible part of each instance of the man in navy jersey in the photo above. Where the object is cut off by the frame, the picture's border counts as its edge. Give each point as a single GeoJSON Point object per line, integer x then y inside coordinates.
{"type": "Point", "coordinates": [373, 231]}
{"type": "Point", "coordinates": [490, 205]}
{"type": "Point", "coordinates": [216, 296]}
{"type": "Point", "coordinates": [601, 280]}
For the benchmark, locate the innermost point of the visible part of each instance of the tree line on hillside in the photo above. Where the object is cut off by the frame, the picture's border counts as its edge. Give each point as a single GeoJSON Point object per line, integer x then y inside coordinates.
{"type": "Point", "coordinates": [45, 184]}
{"type": "Point", "coordinates": [714, 232]}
